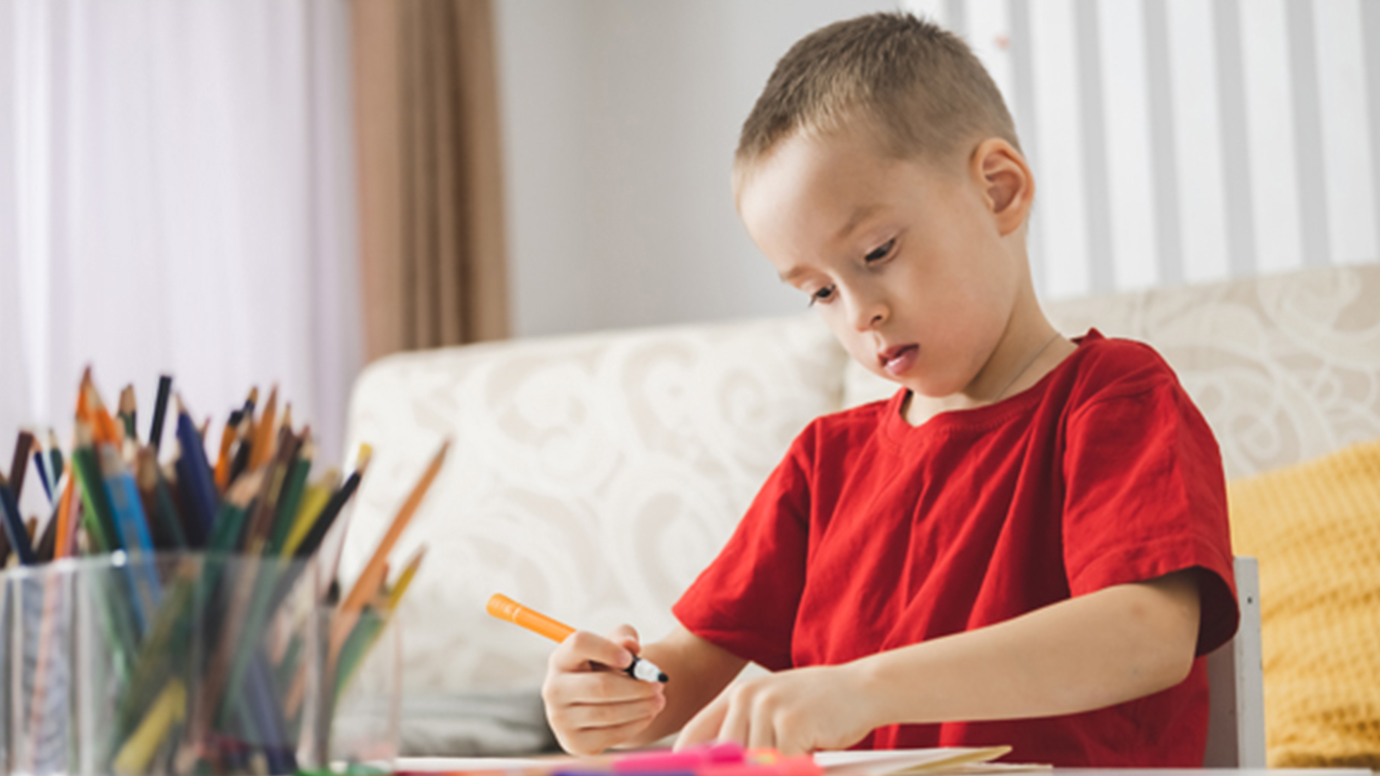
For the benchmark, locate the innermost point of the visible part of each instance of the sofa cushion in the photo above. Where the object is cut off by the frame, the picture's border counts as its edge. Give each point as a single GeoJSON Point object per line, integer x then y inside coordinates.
{"type": "Point", "coordinates": [592, 477]}
{"type": "Point", "coordinates": [1315, 529]}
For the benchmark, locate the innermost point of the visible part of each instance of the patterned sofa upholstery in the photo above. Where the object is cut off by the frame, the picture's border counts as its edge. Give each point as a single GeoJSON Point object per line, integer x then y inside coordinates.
{"type": "Point", "coordinates": [593, 476]}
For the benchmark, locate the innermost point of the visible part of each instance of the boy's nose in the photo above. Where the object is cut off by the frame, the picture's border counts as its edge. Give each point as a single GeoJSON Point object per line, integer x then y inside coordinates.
{"type": "Point", "coordinates": [868, 313]}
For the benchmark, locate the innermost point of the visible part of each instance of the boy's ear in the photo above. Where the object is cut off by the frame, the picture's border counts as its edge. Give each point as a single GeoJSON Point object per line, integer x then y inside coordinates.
{"type": "Point", "coordinates": [1007, 184]}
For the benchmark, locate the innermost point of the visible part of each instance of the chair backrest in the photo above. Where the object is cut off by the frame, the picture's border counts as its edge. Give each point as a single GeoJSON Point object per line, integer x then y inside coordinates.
{"type": "Point", "coordinates": [1236, 684]}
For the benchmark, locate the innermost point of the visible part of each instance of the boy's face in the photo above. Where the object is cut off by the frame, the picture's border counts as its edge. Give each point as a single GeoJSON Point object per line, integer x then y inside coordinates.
{"type": "Point", "coordinates": [908, 261]}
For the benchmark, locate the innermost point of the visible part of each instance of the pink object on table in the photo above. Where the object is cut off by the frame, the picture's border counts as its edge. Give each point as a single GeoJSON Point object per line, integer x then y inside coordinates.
{"type": "Point", "coordinates": [691, 759]}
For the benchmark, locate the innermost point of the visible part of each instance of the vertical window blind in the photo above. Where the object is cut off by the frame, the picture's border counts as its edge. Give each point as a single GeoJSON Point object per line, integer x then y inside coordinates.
{"type": "Point", "coordinates": [1187, 140]}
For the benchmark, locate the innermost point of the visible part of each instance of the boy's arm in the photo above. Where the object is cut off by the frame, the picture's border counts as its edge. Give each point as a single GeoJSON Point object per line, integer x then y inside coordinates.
{"type": "Point", "coordinates": [592, 707]}
{"type": "Point", "coordinates": [1103, 648]}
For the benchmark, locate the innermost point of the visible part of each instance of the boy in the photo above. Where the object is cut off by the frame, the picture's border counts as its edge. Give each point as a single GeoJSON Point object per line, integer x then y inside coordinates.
{"type": "Point", "coordinates": [1026, 545]}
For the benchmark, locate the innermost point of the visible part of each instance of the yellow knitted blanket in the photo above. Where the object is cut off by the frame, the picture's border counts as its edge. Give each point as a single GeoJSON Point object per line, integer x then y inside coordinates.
{"type": "Point", "coordinates": [1315, 529]}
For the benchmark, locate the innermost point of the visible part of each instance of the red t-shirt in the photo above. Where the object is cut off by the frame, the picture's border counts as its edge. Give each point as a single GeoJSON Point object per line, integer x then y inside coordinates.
{"type": "Point", "coordinates": [873, 534]}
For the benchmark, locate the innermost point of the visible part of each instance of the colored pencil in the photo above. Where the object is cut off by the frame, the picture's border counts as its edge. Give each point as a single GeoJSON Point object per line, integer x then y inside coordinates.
{"type": "Point", "coordinates": [227, 440]}
{"type": "Point", "coordinates": [313, 500]}
{"type": "Point", "coordinates": [20, 462]}
{"type": "Point", "coordinates": [133, 528]}
{"type": "Point", "coordinates": [47, 541]}
{"type": "Point", "coordinates": [97, 516]}
{"type": "Point", "coordinates": [370, 578]}
{"type": "Point", "coordinates": [42, 466]}
{"type": "Point", "coordinates": [55, 455]}
{"type": "Point", "coordinates": [103, 426]}
{"type": "Point", "coordinates": [128, 412]}
{"type": "Point", "coordinates": [66, 517]}
{"type": "Point", "coordinates": [194, 473]}
{"type": "Point", "coordinates": [15, 530]}
{"type": "Point", "coordinates": [257, 511]}
{"type": "Point", "coordinates": [264, 435]}
{"type": "Point", "coordinates": [317, 533]}
{"type": "Point", "coordinates": [405, 578]}
{"type": "Point", "coordinates": [160, 411]}
{"type": "Point", "coordinates": [244, 436]}
{"type": "Point", "coordinates": [291, 498]}
{"type": "Point", "coordinates": [167, 527]}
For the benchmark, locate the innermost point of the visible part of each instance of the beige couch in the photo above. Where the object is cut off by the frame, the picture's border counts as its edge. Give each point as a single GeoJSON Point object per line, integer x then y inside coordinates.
{"type": "Point", "coordinates": [593, 476]}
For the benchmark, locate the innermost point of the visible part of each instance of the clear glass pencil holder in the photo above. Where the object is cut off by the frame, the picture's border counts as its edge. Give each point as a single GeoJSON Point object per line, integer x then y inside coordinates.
{"type": "Point", "coordinates": [188, 664]}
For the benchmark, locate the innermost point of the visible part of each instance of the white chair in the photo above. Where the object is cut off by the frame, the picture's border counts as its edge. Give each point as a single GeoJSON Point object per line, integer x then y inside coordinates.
{"type": "Point", "coordinates": [1236, 684]}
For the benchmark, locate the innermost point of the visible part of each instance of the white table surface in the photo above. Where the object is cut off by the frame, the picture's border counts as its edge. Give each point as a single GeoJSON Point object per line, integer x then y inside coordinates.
{"type": "Point", "coordinates": [516, 763]}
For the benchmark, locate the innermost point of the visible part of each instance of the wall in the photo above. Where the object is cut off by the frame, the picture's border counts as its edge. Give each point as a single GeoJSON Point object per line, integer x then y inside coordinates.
{"type": "Point", "coordinates": [620, 119]}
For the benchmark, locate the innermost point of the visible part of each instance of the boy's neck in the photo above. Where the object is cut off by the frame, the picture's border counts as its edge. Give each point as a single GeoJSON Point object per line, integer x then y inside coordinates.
{"type": "Point", "coordinates": [1030, 349]}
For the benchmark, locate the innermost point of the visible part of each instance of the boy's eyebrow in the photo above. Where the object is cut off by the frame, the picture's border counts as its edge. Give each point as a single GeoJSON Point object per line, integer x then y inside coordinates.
{"type": "Point", "coordinates": [856, 218]}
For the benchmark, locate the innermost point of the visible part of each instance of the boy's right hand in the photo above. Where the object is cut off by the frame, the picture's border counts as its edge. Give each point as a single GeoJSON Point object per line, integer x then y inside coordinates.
{"type": "Point", "coordinates": [591, 703]}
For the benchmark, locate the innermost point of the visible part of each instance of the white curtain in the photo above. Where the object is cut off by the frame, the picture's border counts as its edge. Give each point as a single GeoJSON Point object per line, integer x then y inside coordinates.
{"type": "Point", "coordinates": [177, 195]}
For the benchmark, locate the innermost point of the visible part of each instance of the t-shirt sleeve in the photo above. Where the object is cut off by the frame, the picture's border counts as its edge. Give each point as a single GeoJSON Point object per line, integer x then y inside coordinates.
{"type": "Point", "coordinates": [1145, 496]}
{"type": "Point", "coordinates": [746, 600]}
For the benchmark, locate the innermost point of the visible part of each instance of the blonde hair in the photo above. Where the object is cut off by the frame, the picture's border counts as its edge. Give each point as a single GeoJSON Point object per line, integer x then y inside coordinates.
{"type": "Point", "coordinates": [916, 86]}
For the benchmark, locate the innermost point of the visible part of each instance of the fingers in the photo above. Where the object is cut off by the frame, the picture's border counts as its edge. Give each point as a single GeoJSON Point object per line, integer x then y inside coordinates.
{"type": "Point", "coordinates": [582, 648]}
{"type": "Point", "coordinates": [590, 728]}
{"type": "Point", "coordinates": [751, 714]}
{"type": "Point", "coordinates": [625, 636]}
{"type": "Point", "coordinates": [591, 742]}
{"type": "Point", "coordinates": [703, 727]}
{"type": "Point", "coordinates": [762, 734]}
{"type": "Point", "coordinates": [594, 716]}
{"type": "Point", "coordinates": [591, 704]}
{"type": "Point", "coordinates": [738, 718]}
{"type": "Point", "coordinates": [597, 687]}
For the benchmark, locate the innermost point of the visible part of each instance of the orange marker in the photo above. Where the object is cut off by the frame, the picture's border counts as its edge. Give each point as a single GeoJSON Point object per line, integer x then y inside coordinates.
{"type": "Point", "coordinates": [505, 608]}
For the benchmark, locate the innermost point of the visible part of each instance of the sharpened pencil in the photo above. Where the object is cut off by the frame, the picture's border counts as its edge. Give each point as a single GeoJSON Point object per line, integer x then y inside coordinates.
{"type": "Point", "coordinates": [42, 466]}
{"type": "Point", "coordinates": [313, 501]}
{"type": "Point", "coordinates": [19, 464]}
{"type": "Point", "coordinates": [264, 435]}
{"type": "Point", "coordinates": [128, 412]}
{"type": "Point", "coordinates": [97, 516]}
{"type": "Point", "coordinates": [194, 473]}
{"type": "Point", "coordinates": [15, 529]}
{"type": "Point", "coordinates": [103, 426]}
{"type": "Point", "coordinates": [64, 542]}
{"type": "Point", "coordinates": [55, 461]}
{"type": "Point", "coordinates": [370, 578]}
{"type": "Point", "coordinates": [160, 411]}
{"type": "Point", "coordinates": [227, 440]}
{"type": "Point", "coordinates": [405, 578]}
{"type": "Point", "coordinates": [244, 437]}
{"type": "Point", "coordinates": [322, 525]}
{"type": "Point", "coordinates": [163, 521]}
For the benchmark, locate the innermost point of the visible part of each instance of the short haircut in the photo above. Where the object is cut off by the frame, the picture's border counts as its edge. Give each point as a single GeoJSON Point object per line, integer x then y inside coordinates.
{"type": "Point", "coordinates": [918, 87]}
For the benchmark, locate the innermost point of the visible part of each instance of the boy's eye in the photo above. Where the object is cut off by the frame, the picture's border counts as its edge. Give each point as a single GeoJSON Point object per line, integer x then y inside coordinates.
{"type": "Point", "coordinates": [880, 253]}
{"type": "Point", "coordinates": [822, 295]}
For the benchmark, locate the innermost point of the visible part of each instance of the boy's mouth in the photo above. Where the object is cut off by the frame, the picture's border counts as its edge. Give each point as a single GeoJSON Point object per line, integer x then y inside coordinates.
{"type": "Point", "coordinates": [899, 358]}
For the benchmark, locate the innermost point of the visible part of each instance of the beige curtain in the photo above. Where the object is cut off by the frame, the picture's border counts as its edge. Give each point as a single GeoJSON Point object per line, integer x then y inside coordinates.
{"type": "Point", "coordinates": [430, 185]}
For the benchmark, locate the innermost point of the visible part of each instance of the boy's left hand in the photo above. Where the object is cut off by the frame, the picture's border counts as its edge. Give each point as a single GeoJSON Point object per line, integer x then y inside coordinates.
{"type": "Point", "coordinates": [794, 712]}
